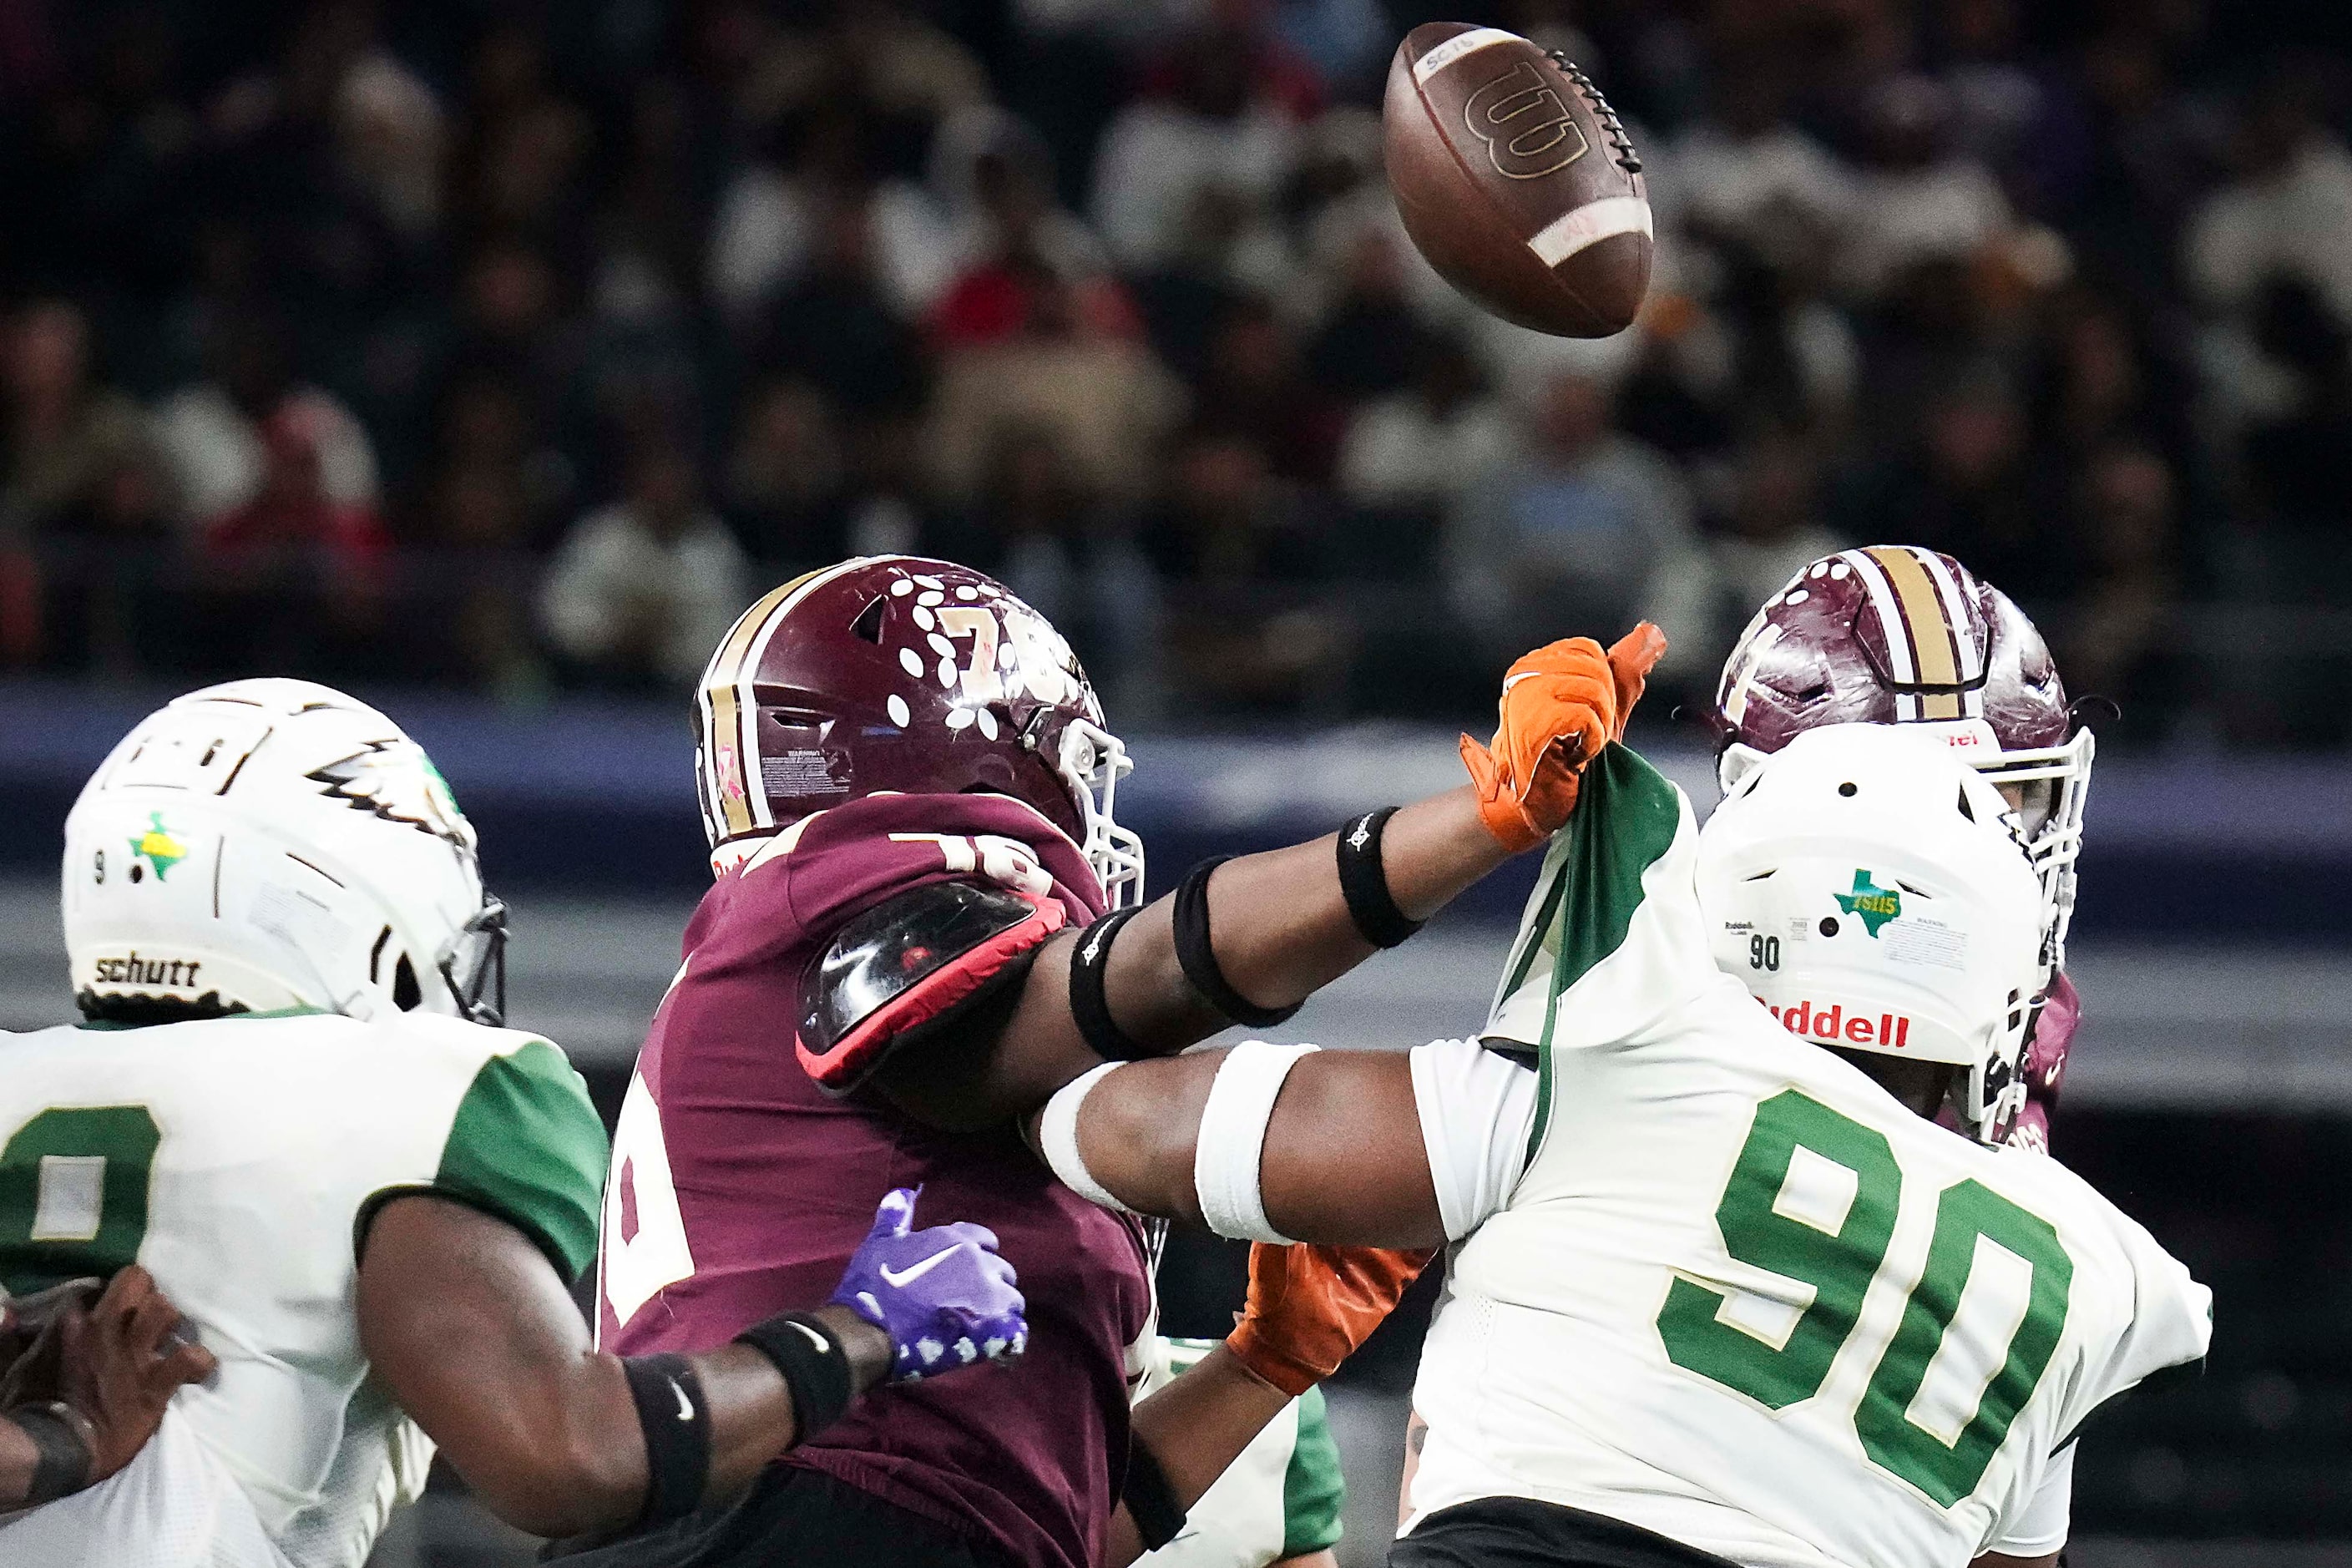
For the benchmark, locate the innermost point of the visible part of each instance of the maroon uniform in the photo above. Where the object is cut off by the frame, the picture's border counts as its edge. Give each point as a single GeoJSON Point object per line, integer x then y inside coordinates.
{"type": "Point", "coordinates": [740, 1186]}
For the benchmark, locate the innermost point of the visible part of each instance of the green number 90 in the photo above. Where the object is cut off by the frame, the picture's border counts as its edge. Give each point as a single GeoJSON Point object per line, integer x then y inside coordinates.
{"type": "Point", "coordinates": [1839, 1265]}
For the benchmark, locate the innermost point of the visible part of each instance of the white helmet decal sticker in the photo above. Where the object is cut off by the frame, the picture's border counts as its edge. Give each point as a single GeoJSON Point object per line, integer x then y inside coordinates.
{"type": "Point", "coordinates": [397, 780]}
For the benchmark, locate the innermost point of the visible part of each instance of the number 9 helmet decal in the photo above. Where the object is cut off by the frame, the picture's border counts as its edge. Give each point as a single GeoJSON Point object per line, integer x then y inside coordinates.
{"type": "Point", "coordinates": [897, 673]}
{"type": "Point", "coordinates": [1899, 634]}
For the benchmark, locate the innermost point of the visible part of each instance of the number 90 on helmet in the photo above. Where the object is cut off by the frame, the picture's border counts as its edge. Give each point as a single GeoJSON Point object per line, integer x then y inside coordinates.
{"type": "Point", "coordinates": [1872, 891]}
{"type": "Point", "coordinates": [919, 676]}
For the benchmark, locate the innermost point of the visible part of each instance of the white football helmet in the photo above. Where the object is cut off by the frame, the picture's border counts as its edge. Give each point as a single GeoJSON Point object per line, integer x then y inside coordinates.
{"type": "Point", "coordinates": [274, 844]}
{"type": "Point", "coordinates": [1872, 888]}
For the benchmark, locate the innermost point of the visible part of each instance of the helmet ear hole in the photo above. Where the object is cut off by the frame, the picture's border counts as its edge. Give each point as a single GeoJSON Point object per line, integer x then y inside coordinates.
{"type": "Point", "coordinates": [406, 994]}
{"type": "Point", "coordinates": [1966, 809]}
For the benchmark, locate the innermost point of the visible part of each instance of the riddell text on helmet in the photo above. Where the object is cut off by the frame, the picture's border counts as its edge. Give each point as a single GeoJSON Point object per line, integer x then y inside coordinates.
{"type": "Point", "coordinates": [1830, 1022]}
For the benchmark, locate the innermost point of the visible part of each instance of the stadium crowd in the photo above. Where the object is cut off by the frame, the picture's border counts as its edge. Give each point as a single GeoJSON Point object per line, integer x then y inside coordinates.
{"type": "Point", "coordinates": [511, 348]}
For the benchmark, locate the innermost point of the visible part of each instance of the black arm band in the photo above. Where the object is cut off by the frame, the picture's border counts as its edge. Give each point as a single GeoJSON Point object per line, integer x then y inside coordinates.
{"type": "Point", "coordinates": [1150, 1500]}
{"type": "Point", "coordinates": [61, 1467]}
{"type": "Point", "coordinates": [814, 1366]}
{"type": "Point", "coordinates": [1199, 957]}
{"type": "Point", "coordinates": [1089, 961]}
{"type": "Point", "coordinates": [677, 1424]}
{"type": "Point", "coordinates": [1364, 881]}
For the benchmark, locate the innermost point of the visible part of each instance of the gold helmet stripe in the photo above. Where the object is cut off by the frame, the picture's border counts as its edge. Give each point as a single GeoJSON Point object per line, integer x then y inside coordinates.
{"type": "Point", "coordinates": [738, 800]}
{"type": "Point", "coordinates": [1935, 650]}
{"type": "Point", "coordinates": [1958, 588]}
{"type": "Point", "coordinates": [727, 773]}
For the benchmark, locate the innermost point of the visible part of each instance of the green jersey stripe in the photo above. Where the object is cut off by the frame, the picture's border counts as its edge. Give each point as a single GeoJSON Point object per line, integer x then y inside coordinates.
{"type": "Point", "coordinates": [1312, 1493]}
{"type": "Point", "coordinates": [1626, 819]}
{"type": "Point", "coordinates": [1537, 937]}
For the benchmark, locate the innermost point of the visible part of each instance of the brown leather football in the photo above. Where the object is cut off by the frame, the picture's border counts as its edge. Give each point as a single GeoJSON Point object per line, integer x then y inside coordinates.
{"type": "Point", "coordinates": [1516, 181]}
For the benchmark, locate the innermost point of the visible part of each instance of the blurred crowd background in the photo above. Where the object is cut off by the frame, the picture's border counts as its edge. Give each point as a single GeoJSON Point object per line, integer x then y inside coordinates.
{"type": "Point", "coordinates": [489, 357]}
{"type": "Point", "coordinates": [511, 348]}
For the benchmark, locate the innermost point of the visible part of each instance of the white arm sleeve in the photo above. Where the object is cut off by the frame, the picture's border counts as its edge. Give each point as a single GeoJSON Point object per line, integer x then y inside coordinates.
{"type": "Point", "coordinates": [2041, 1529]}
{"type": "Point", "coordinates": [1477, 1108]}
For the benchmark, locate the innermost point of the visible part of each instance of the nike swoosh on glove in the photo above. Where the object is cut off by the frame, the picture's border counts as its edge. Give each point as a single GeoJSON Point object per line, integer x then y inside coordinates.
{"type": "Point", "coordinates": [942, 1294]}
{"type": "Point", "coordinates": [1561, 705]}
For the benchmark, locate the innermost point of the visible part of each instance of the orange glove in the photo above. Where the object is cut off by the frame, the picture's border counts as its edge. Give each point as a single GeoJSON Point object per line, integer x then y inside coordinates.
{"type": "Point", "coordinates": [1561, 705]}
{"type": "Point", "coordinates": [1310, 1307]}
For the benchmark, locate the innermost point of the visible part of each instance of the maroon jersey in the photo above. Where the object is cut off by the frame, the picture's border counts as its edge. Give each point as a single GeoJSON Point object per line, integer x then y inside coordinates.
{"type": "Point", "coordinates": [740, 1188]}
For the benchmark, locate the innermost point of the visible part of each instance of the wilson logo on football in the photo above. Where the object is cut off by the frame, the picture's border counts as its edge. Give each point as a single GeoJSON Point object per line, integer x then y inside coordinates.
{"type": "Point", "coordinates": [1831, 1025]}
{"type": "Point", "coordinates": [1529, 132]}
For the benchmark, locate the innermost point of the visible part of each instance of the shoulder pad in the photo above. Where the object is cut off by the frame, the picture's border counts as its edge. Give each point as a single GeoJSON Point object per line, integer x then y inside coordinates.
{"type": "Point", "coordinates": [906, 961]}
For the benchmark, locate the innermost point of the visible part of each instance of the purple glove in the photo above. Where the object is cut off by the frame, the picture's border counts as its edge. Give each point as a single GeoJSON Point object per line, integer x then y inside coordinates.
{"type": "Point", "coordinates": [942, 1294]}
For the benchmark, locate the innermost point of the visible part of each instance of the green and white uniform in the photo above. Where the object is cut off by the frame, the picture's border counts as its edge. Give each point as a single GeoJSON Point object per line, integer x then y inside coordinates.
{"type": "Point", "coordinates": [238, 1159]}
{"type": "Point", "coordinates": [1713, 1281]}
{"type": "Point", "coordinates": [1280, 1498]}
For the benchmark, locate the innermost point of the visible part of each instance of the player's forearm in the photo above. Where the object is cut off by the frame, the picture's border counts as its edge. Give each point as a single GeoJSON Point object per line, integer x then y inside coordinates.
{"type": "Point", "coordinates": [566, 1460]}
{"type": "Point", "coordinates": [576, 1464]}
{"type": "Point", "coordinates": [750, 1405]}
{"type": "Point", "coordinates": [1279, 923]}
{"type": "Point", "coordinates": [472, 1331]}
{"type": "Point", "coordinates": [1198, 1424]}
{"type": "Point", "coordinates": [1196, 1427]}
{"type": "Point", "coordinates": [1279, 927]}
{"type": "Point", "coordinates": [1341, 1161]}
{"type": "Point", "coordinates": [567, 1456]}
{"type": "Point", "coordinates": [1261, 933]}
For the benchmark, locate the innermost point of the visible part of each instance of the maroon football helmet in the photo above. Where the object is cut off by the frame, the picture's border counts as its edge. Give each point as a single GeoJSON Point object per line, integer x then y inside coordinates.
{"type": "Point", "coordinates": [1899, 634]}
{"type": "Point", "coordinates": [893, 672]}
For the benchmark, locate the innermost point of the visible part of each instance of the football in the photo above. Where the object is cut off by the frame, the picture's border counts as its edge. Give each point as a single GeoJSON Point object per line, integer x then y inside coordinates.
{"type": "Point", "coordinates": [1516, 181]}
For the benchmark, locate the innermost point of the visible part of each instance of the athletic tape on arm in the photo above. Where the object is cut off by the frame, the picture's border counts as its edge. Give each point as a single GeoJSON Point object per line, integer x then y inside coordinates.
{"type": "Point", "coordinates": [1057, 1134]}
{"type": "Point", "coordinates": [1232, 1135]}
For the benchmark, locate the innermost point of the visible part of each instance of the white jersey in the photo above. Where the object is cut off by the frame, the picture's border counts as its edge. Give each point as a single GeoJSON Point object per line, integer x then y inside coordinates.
{"type": "Point", "coordinates": [238, 1159]}
{"type": "Point", "coordinates": [1280, 1498]}
{"type": "Point", "coordinates": [1719, 1285]}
